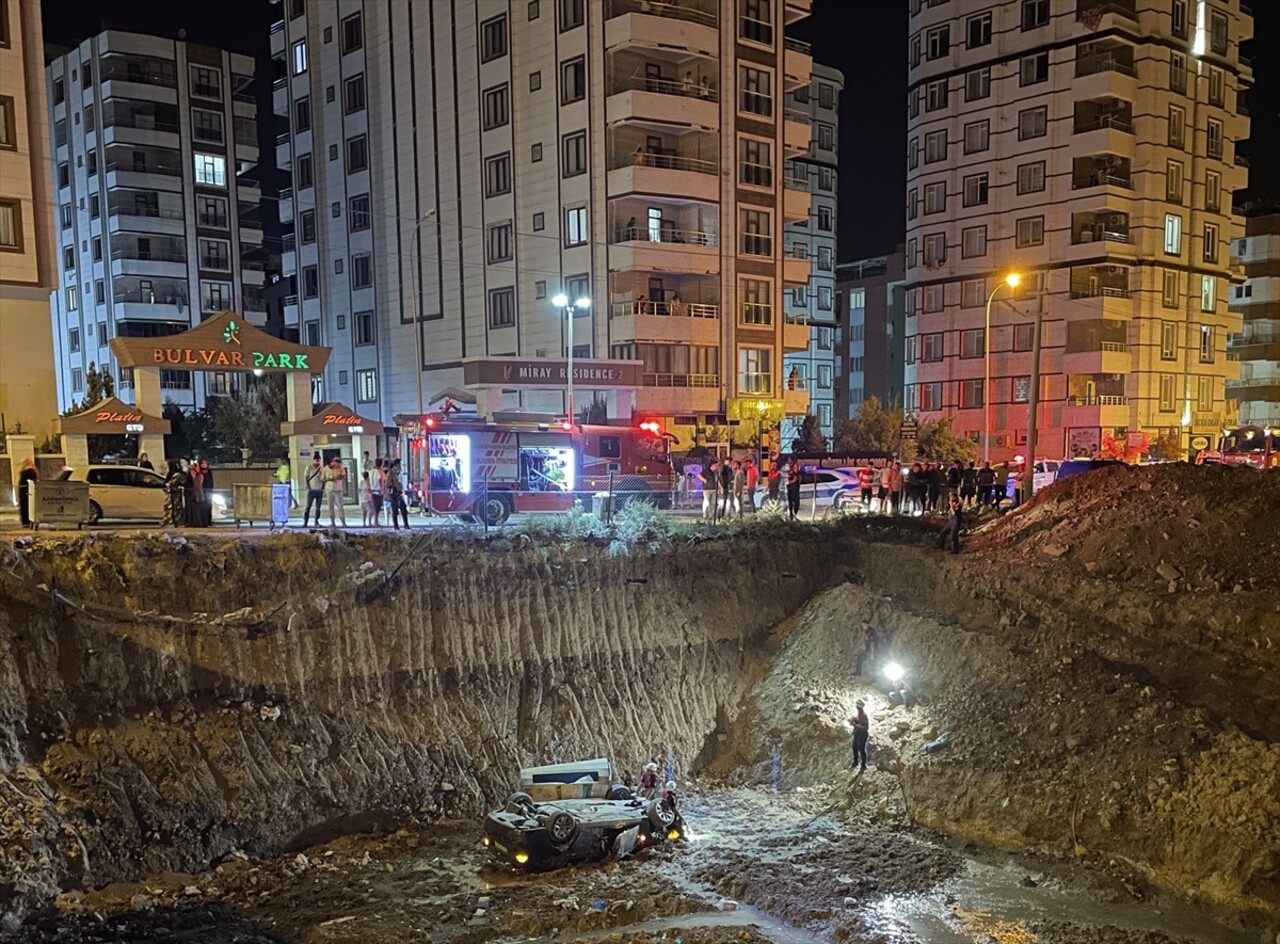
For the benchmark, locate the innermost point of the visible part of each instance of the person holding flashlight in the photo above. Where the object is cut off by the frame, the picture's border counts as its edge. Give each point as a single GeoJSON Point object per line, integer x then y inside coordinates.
{"type": "Point", "coordinates": [861, 730]}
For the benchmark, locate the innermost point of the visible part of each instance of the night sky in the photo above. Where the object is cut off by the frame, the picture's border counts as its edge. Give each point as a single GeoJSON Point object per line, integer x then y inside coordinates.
{"type": "Point", "coordinates": [866, 39]}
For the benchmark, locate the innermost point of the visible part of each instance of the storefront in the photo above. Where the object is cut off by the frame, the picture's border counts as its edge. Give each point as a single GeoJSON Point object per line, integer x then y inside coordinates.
{"type": "Point", "coordinates": [111, 417]}
{"type": "Point", "coordinates": [336, 431]}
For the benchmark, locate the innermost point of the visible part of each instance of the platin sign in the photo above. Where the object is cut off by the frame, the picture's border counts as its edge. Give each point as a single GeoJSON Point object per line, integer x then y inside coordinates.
{"type": "Point", "coordinates": [106, 416]}
{"type": "Point", "coordinates": [333, 420]}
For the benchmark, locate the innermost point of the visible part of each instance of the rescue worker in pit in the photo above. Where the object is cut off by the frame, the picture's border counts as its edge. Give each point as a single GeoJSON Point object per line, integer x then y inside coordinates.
{"type": "Point", "coordinates": [649, 781]}
{"type": "Point", "coordinates": [669, 798]}
{"type": "Point", "coordinates": [861, 730]}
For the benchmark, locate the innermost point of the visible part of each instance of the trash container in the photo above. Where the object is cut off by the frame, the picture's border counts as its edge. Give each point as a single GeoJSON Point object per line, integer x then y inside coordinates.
{"type": "Point", "coordinates": [59, 503]}
{"type": "Point", "coordinates": [602, 505]}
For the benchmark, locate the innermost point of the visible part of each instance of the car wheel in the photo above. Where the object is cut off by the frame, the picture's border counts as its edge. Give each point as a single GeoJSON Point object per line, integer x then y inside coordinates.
{"type": "Point", "coordinates": [619, 791]}
{"type": "Point", "coordinates": [493, 510]}
{"type": "Point", "coordinates": [561, 828]}
{"type": "Point", "coordinates": [95, 512]}
{"type": "Point", "coordinates": [661, 815]}
{"type": "Point", "coordinates": [520, 802]}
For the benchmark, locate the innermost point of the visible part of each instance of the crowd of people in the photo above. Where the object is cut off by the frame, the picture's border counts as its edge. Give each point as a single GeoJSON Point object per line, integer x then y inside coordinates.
{"type": "Point", "coordinates": [188, 485]}
{"type": "Point", "coordinates": [381, 488]}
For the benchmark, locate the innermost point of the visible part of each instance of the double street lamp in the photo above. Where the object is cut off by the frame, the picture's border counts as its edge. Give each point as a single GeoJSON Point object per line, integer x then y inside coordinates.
{"type": "Point", "coordinates": [1011, 280]}
{"type": "Point", "coordinates": [570, 309]}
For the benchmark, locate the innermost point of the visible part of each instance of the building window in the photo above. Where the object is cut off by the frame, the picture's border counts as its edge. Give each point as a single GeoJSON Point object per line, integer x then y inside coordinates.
{"type": "Point", "coordinates": [824, 219]}
{"type": "Point", "coordinates": [754, 165]}
{"type": "Point", "coordinates": [493, 38]}
{"type": "Point", "coordinates": [497, 110]}
{"type": "Point", "coordinates": [1030, 231]}
{"type": "Point", "coordinates": [935, 249]}
{"type": "Point", "coordinates": [977, 84]}
{"type": "Point", "coordinates": [755, 370]}
{"type": "Point", "coordinates": [1031, 177]}
{"type": "Point", "coordinates": [935, 146]}
{"type": "Point", "coordinates": [825, 258]}
{"type": "Point", "coordinates": [364, 328]}
{"type": "Point", "coordinates": [310, 282]}
{"type": "Point", "coordinates": [206, 125]}
{"type": "Point", "coordinates": [353, 94]}
{"type": "Point", "coordinates": [938, 42]}
{"type": "Point", "coordinates": [358, 212]}
{"type": "Point", "coordinates": [573, 154]}
{"type": "Point", "coordinates": [913, 203]}
{"type": "Point", "coordinates": [1208, 293]}
{"type": "Point", "coordinates": [499, 243]}
{"type": "Point", "coordinates": [215, 296]}
{"type": "Point", "coordinates": [1168, 393]}
{"type": "Point", "coordinates": [826, 96]}
{"type": "Point", "coordinates": [756, 25]}
{"type": "Point", "coordinates": [302, 173]}
{"type": "Point", "coordinates": [572, 14]}
{"type": "Point", "coordinates": [826, 136]}
{"type": "Point", "coordinates": [497, 175]}
{"type": "Point", "coordinates": [1204, 393]}
{"type": "Point", "coordinates": [97, 249]}
{"type": "Point", "coordinates": [1218, 33]}
{"type": "Point", "coordinates": [361, 270]}
{"type": "Point", "coordinates": [1033, 123]}
{"type": "Point", "coordinates": [100, 298]}
{"type": "Point", "coordinates": [1178, 19]}
{"type": "Point", "coordinates": [68, 257]}
{"type": "Point", "coordinates": [502, 307]}
{"type": "Point", "coordinates": [1173, 234]}
{"type": "Point", "coordinates": [825, 298]}
{"type": "Point", "coordinates": [307, 227]}
{"type": "Point", "coordinates": [535, 81]}
{"type": "Point", "coordinates": [826, 179]}
{"type": "Point", "coordinates": [211, 170]}
{"type": "Point", "coordinates": [935, 95]}
{"type": "Point", "coordinates": [1213, 191]}
{"type": "Point", "coordinates": [1211, 242]}
{"type": "Point", "coordinates": [756, 97]}
{"type": "Point", "coordinates": [970, 394]}
{"type": "Point", "coordinates": [535, 153]}
{"type": "Point", "coordinates": [1035, 14]}
{"type": "Point", "coordinates": [1170, 295]}
{"type": "Point", "coordinates": [366, 386]}
{"type": "Point", "coordinates": [757, 302]}
{"type": "Point", "coordinates": [539, 222]}
{"type": "Point", "coordinates": [975, 190]}
{"type": "Point", "coordinates": [977, 136]}
{"type": "Point", "coordinates": [757, 233]}
{"type": "Point", "coordinates": [1034, 69]}
{"type": "Point", "coordinates": [302, 115]}
{"type": "Point", "coordinates": [575, 227]}
{"type": "Point", "coordinates": [1214, 144]}
{"type": "Point", "coordinates": [1168, 341]}
{"type": "Point", "coordinates": [973, 242]}
{"type": "Point", "coordinates": [1173, 181]}
{"type": "Point", "coordinates": [935, 197]}
{"type": "Point", "coordinates": [1217, 91]}
{"type": "Point", "coordinates": [300, 57]}
{"type": "Point", "coordinates": [573, 81]}
{"type": "Point", "coordinates": [978, 30]}
{"type": "Point", "coordinates": [931, 348]}
{"type": "Point", "coordinates": [971, 343]}
{"type": "Point", "coordinates": [215, 254]}
{"type": "Point", "coordinates": [357, 154]}
{"type": "Point", "coordinates": [1177, 126]}
{"type": "Point", "coordinates": [207, 83]}
{"type": "Point", "coordinates": [913, 153]}
{"type": "Point", "coordinates": [211, 211]}
{"type": "Point", "coordinates": [1178, 73]}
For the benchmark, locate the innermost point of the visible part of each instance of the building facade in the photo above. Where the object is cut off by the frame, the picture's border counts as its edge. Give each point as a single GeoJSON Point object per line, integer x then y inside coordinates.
{"type": "Point", "coordinates": [1090, 148]}
{"type": "Point", "coordinates": [27, 269]}
{"type": "Point", "coordinates": [870, 300]}
{"type": "Point", "coordinates": [456, 165]}
{"type": "Point", "coordinates": [815, 369]}
{"type": "Point", "coordinates": [1256, 347]}
{"type": "Point", "coordinates": [154, 142]}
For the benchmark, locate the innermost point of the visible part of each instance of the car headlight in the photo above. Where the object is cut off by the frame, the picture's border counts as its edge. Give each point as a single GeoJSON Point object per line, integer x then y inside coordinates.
{"type": "Point", "coordinates": [522, 857]}
{"type": "Point", "coordinates": [485, 840]}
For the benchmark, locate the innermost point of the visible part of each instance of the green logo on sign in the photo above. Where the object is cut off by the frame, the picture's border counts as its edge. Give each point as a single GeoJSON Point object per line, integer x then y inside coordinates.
{"type": "Point", "coordinates": [231, 333]}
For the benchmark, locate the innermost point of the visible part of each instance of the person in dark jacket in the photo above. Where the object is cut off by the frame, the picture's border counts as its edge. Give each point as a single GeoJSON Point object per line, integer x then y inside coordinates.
{"type": "Point", "coordinates": [986, 483]}
{"type": "Point", "coordinates": [968, 484]}
{"type": "Point", "coordinates": [861, 731]}
{"type": "Point", "coordinates": [775, 481]}
{"type": "Point", "coordinates": [206, 508]}
{"type": "Point", "coordinates": [26, 479]}
{"type": "Point", "coordinates": [726, 488]}
{"type": "Point", "coordinates": [937, 479]}
{"type": "Point", "coordinates": [793, 490]}
{"type": "Point", "coordinates": [175, 487]}
{"type": "Point", "coordinates": [952, 530]}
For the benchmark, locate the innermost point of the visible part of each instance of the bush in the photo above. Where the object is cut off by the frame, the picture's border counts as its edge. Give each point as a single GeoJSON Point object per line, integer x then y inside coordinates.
{"type": "Point", "coordinates": [639, 526]}
{"type": "Point", "coordinates": [574, 524]}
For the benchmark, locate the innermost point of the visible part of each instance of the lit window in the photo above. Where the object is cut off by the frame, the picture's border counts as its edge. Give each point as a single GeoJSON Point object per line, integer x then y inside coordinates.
{"type": "Point", "coordinates": [300, 57]}
{"type": "Point", "coordinates": [211, 170]}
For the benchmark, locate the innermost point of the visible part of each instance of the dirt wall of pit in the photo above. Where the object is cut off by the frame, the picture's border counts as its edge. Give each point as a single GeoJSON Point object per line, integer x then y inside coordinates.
{"type": "Point", "coordinates": [164, 701]}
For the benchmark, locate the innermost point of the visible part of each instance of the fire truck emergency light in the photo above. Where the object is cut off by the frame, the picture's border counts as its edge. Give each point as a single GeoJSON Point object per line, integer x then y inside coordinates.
{"type": "Point", "coordinates": [651, 426]}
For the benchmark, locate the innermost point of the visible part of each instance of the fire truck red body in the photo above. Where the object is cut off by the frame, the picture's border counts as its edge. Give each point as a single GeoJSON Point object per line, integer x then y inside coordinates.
{"type": "Point", "coordinates": [491, 470]}
{"type": "Point", "coordinates": [1252, 446]}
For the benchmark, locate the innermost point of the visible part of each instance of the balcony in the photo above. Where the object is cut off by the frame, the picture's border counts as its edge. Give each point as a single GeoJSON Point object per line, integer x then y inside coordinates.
{"type": "Point", "coordinates": [679, 394]}
{"type": "Point", "coordinates": [1099, 14]}
{"type": "Point", "coordinates": [795, 402]}
{"type": "Point", "coordinates": [755, 384]}
{"type": "Point", "coordinates": [676, 251]}
{"type": "Point", "coordinates": [665, 173]}
{"type": "Point", "coordinates": [1254, 345]}
{"type": "Point", "coordinates": [1266, 387]}
{"type": "Point", "coordinates": [1097, 346]}
{"type": "Point", "coordinates": [794, 10]}
{"type": "Point", "coordinates": [795, 336]}
{"type": "Point", "coordinates": [691, 25]}
{"type": "Point", "coordinates": [796, 132]}
{"type": "Point", "coordinates": [666, 322]}
{"type": "Point", "coordinates": [795, 270]}
{"type": "Point", "coordinates": [162, 306]}
{"type": "Point", "coordinates": [663, 101]}
{"type": "Point", "coordinates": [1107, 170]}
{"type": "Point", "coordinates": [145, 219]}
{"type": "Point", "coordinates": [797, 64]}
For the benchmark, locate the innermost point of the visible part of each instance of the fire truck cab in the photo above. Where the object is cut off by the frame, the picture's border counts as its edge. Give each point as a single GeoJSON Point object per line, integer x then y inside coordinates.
{"type": "Point", "coordinates": [1253, 446]}
{"type": "Point", "coordinates": [491, 470]}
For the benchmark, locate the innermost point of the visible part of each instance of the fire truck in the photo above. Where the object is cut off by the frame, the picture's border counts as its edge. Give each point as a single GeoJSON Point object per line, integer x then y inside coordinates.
{"type": "Point", "coordinates": [513, 464]}
{"type": "Point", "coordinates": [1252, 446]}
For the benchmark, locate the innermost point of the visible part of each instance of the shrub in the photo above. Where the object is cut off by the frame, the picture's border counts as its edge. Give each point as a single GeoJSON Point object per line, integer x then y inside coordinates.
{"type": "Point", "coordinates": [639, 526]}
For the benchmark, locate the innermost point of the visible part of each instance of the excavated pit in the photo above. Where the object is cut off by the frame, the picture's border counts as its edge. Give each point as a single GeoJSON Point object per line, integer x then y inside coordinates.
{"type": "Point", "coordinates": [1104, 661]}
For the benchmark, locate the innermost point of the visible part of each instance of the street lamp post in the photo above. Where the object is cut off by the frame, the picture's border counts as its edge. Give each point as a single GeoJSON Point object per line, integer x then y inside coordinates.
{"type": "Point", "coordinates": [417, 334]}
{"type": "Point", "coordinates": [1011, 280]}
{"type": "Point", "coordinates": [562, 301]}
{"type": "Point", "coordinates": [1033, 406]}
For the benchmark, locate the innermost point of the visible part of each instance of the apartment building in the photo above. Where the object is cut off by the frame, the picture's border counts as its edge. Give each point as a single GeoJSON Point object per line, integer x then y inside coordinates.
{"type": "Point", "coordinates": [27, 269]}
{"type": "Point", "coordinates": [156, 210]}
{"type": "Point", "coordinates": [457, 165]}
{"type": "Point", "coordinates": [1256, 347]}
{"type": "Point", "coordinates": [870, 303]}
{"type": "Point", "coordinates": [1090, 148]}
{"type": "Point", "coordinates": [815, 369]}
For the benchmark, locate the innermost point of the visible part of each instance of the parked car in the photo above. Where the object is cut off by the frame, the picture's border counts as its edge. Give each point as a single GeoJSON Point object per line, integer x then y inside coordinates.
{"type": "Point", "coordinates": [126, 492]}
{"type": "Point", "coordinates": [832, 486]}
{"type": "Point", "coordinates": [581, 816]}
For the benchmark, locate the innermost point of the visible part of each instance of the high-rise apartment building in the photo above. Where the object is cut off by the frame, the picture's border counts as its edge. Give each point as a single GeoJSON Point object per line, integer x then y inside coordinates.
{"type": "Point", "coordinates": [870, 303]}
{"type": "Point", "coordinates": [1091, 148]}
{"type": "Point", "coordinates": [27, 268]}
{"type": "Point", "coordinates": [156, 221]}
{"type": "Point", "coordinates": [1257, 346]}
{"type": "Point", "coordinates": [815, 369]}
{"type": "Point", "coordinates": [457, 165]}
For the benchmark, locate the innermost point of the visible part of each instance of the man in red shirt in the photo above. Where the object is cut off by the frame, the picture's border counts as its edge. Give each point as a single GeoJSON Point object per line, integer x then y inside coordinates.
{"type": "Point", "coordinates": [753, 479]}
{"type": "Point", "coordinates": [865, 477]}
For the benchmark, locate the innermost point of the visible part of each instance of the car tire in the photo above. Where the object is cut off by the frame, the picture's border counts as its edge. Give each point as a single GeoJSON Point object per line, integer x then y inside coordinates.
{"type": "Point", "coordinates": [561, 829]}
{"type": "Point", "coordinates": [492, 510]}
{"type": "Point", "coordinates": [661, 816]}
{"type": "Point", "coordinates": [519, 802]}
{"type": "Point", "coordinates": [95, 512]}
{"type": "Point", "coordinates": [620, 791]}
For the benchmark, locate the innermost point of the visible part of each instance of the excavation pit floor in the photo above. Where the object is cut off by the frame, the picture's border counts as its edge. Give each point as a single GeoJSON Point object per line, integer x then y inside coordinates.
{"type": "Point", "coordinates": [799, 867]}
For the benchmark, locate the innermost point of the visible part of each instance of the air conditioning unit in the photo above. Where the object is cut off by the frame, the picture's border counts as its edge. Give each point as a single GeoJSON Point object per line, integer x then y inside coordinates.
{"type": "Point", "coordinates": [1002, 440]}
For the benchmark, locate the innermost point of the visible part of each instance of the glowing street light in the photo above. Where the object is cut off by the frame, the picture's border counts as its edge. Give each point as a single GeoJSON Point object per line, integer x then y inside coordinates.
{"type": "Point", "coordinates": [1012, 280]}
{"type": "Point", "coordinates": [561, 300]}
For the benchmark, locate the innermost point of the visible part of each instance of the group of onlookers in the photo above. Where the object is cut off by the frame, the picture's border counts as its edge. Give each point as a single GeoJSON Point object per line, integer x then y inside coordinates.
{"type": "Point", "coordinates": [728, 488]}
{"type": "Point", "coordinates": [381, 487]}
{"type": "Point", "coordinates": [188, 485]}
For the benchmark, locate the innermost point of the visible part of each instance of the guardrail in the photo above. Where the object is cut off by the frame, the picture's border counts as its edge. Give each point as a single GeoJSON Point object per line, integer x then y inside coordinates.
{"type": "Point", "coordinates": [1097, 401]}
{"type": "Point", "coordinates": [798, 45]}
{"type": "Point", "coordinates": [643, 234]}
{"type": "Point", "coordinates": [689, 89]}
{"type": "Point", "coordinates": [1101, 180]}
{"type": "Point", "coordinates": [1112, 122]}
{"type": "Point", "coordinates": [1105, 291]}
{"type": "Point", "coordinates": [671, 309]}
{"type": "Point", "coordinates": [681, 380]}
{"type": "Point", "coordinates": [670, 162]}
{"type": "Point", "coordinates": [668, 8]}
{"type": "Point", "coordinates": [1102, 62]}
{"type": "Point", "coordinates": [148, 212]}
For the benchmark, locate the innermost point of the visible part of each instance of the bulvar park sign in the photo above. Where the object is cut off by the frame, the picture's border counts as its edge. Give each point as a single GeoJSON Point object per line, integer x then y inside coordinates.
{"type": "Point", "coordinates": [223, 342]}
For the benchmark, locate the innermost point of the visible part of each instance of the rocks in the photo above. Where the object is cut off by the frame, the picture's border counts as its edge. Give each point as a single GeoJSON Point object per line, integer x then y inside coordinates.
{"type": "Point", "coordinates": [1168, 572]}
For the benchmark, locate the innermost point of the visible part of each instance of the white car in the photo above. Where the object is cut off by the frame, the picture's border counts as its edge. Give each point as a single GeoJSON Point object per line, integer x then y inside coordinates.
{"type": "Point", "coordinates": [127, 492]}
{"type": "Point", "coordinates": [833, 488]}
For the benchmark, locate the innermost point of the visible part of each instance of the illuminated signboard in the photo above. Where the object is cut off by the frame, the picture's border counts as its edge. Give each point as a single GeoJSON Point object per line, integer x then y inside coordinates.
{"type": "Point", "coordinates": [106, 416]}
{"type": "Point", "coordinates": [222, 342]}
{"type": "Point", "coordinates": [133, 427]}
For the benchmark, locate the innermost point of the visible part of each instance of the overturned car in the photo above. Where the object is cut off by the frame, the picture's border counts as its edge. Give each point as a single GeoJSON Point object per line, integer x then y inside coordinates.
{"type": "Point", "coordinates": [568, 813]}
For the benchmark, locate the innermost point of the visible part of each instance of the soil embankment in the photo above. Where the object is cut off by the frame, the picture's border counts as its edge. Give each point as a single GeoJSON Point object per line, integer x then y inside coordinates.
{"type": "Point", "coordinates": [166, 700]}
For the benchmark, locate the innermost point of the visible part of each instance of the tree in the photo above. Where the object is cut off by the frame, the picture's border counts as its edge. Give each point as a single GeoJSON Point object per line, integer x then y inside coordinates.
{"type": "Point", "coordinates": [809, 436]}
{"type": "Point", "coordinates": [877, 427]}
{"type": "Point", "coordinates": [1119, 447]}
{"type": "Point", "coordinates": [248, 419]}
{"type": "Point", "coordinates": [98, 386]}
{"type": "Point", "coordinates": [936, 441]}
{"type": "Point", "coordinates": [595, 413]}
{"type": "Point", "coordinates": [1167, 447]}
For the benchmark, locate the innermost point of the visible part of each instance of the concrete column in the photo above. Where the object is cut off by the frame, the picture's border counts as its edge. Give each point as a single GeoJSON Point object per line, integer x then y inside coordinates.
{"type": "Point", "coordinates": [20, 448]}
{"type": "Point", "coordinates": [298, 396]}
{"type": "Point", "coordinates": [75, 446]}
{"type": "Point", "coordinates": [146, 395]}
{"type": "Point", "coordinates": [153, 445]}
{"type": "Point", "coordinates": [488, 401]}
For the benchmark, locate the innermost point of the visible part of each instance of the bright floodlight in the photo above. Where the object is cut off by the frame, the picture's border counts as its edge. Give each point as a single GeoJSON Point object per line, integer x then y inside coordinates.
{"type": "Point", "coordinates": [561, 300]}
{"type": "Point", "coordinates": [1012, 279]}
{"type": "Point", "coordinates": [582, 302]}
{"type": "Point", "coordinates": [893, 672]}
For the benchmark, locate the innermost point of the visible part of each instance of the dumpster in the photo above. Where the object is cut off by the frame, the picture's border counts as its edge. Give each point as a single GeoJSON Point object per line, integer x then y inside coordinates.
{"type": "Point", "coordinates": [602, 506]}
{"type": "Point", "coordinates": [59, 504]}
{"type": "Point", "coordinates": [265, 503]}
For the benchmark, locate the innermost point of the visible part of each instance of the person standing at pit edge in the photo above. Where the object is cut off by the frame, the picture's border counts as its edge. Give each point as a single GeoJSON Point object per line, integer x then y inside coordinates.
{"type": "Point", "coordinates": [861, 731]}
{"type": "Point", "coordinates": [314, 479]}
{"type": "Point", "coordinates": [26, 480]}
